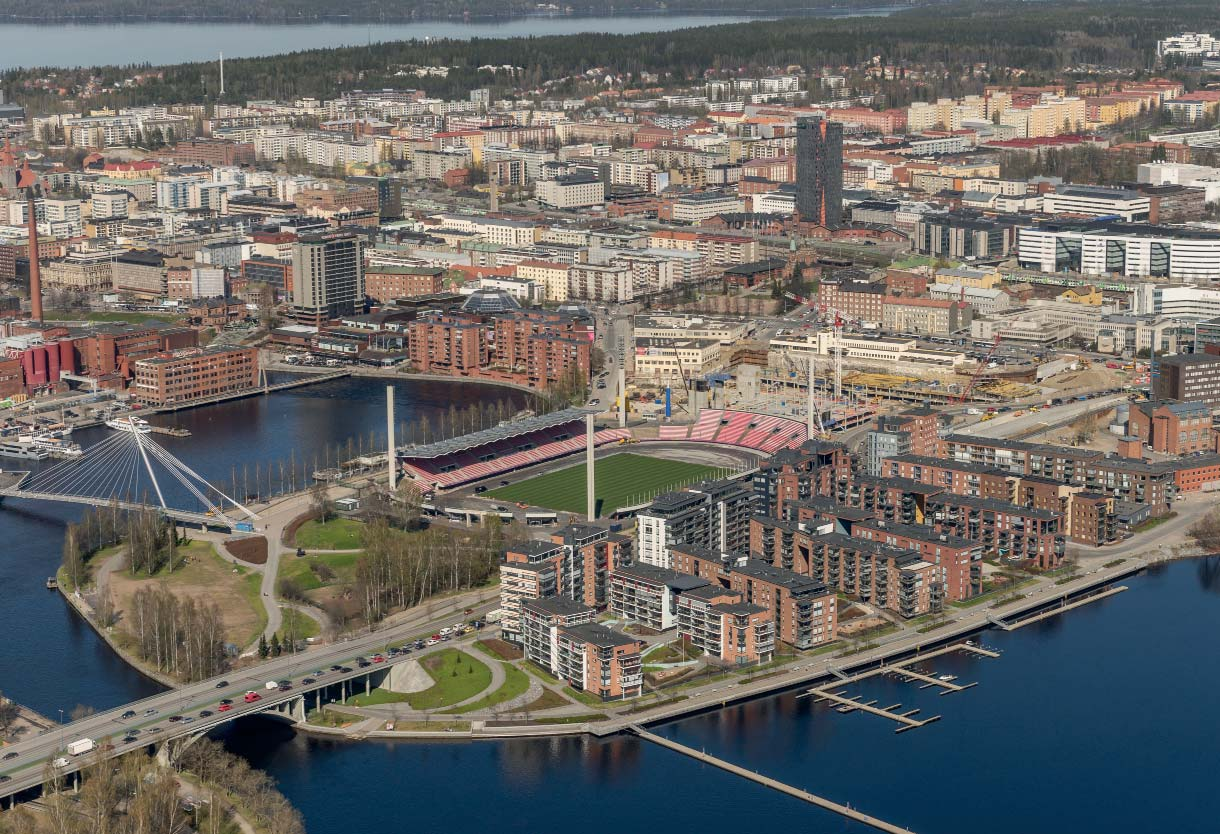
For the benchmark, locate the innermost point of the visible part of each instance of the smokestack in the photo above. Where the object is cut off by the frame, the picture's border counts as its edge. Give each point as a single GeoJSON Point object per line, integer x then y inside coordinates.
{"type": "Point", "coordinates": [222, 75]}
{"type": "Point", "coordinates": [495, 198]}
{"type": "Point", "coordinates": [35, 275]}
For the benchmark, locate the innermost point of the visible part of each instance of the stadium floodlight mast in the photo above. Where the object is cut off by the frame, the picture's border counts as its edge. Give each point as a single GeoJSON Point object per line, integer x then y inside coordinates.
{"type": "Point", "coordinates": [590, 498]}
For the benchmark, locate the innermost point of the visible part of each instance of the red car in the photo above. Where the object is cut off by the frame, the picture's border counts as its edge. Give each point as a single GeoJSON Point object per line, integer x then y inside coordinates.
{"type": "Point", "coordinates": [224, 707]}
{"type": "Point", "coordinates": [378, 659]}
{"type": "Point", "coordinates": [253, 696]}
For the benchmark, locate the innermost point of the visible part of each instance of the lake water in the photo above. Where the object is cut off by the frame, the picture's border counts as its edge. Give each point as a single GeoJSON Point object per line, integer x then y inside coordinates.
{"type": "Point", "coordinates": [1101, 720]}
{"type": "Point", "coordinates": [95, 44]}
{"type": "Point", "coordinates": [42, 637]}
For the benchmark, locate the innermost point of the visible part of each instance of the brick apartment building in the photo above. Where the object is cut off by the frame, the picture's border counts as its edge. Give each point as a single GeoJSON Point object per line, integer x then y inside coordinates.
{"type": "Point", "coordinates": [895, 578]}
{"type": "Point", "coordinates": [194, 374]}
{"type": "Point", "coordinates": [214, 153]}
{"type": "Point", "coordinates": [384, 283]}
{"type": "Point", "coordinates": [600, 661]}
{"type": "Point", "coordinates": [540, 620]}
{"type": "Point", "coordinates": [802, 609]}
{"type": "Point", "coordinates": [858, 299]}
{"type": "Point", "coordinates": [448, 343]}
{"type": "Point", "coordinates": [815, 468]}
{"type": "Point", "coordinates": [542, 346]}
{"type": "Point", "coordinates": [719, 623]}
{"type": "Point", "coordinates": [1173, 428]}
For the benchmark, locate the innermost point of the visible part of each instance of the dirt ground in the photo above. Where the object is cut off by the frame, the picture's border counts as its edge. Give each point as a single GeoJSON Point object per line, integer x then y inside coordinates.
{"type": "Point", "coordinates": [204, 577]}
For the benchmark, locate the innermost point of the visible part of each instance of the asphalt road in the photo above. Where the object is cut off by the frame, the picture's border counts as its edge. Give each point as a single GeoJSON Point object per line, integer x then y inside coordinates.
{"type": "Point", "coordinates": [1007, 425]}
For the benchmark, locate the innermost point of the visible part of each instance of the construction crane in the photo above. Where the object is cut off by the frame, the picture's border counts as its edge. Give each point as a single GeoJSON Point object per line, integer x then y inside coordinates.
{"type": "Point", "coordinates": [979, 371]}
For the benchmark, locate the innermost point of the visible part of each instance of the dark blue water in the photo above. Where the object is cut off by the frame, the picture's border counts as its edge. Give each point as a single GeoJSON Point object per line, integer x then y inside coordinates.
{"type": "Point", "coordinates": [42, 637]}
{"type": "Point", "coordinates": [1102, 720]}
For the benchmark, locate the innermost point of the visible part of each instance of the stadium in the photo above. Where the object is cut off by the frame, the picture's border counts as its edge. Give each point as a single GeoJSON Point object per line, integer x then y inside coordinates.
{"type": "Point", "coordinates": [537, 461]}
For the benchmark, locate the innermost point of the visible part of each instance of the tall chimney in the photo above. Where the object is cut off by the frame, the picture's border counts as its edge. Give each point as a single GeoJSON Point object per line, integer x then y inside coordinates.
{"type": "Point", "coordinates": [35, 275]}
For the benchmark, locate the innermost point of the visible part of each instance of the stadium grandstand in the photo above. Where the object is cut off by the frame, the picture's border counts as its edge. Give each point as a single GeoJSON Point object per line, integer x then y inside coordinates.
{"type": "Point", "coordinates": [765, 433]}
{"type": "Point", "coordinates": [509, 446]}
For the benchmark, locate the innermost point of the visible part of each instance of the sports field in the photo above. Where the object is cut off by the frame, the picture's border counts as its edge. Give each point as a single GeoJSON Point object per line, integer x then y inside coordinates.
{"type": "Point", "coordinates": [622, 481]}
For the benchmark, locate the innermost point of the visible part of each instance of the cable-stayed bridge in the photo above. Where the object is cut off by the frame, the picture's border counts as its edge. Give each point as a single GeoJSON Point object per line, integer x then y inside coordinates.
{"type": "Point", "coordinates": [131, 470]}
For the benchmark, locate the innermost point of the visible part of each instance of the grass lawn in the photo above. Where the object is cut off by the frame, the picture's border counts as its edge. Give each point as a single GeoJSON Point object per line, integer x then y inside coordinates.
{"type": "Point", "coordinates": [458, 676]}
{"type": "Point", "coordinates": [308, 571]}
{"type": "Point", "coordinates": [549, 699]}
{"type": "Point", "coordinates": [336, 534]}
{"type": "Point", "coordinates": [207, 577]}
{"type": "Point", "coordinates": [302, 626]}
{"type": "Point", "coordinates": [377, 696]}
{"type": "Point", "coordinates": [622, 480]}
{"type": "Point", "coordinates": [515, 684]}
{"type": "Point", "coordinates": [584, 697]}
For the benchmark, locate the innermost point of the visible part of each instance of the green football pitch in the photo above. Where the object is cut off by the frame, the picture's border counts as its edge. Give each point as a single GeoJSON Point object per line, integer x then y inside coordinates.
{"type": "Point", "coordinates": [623, 480]}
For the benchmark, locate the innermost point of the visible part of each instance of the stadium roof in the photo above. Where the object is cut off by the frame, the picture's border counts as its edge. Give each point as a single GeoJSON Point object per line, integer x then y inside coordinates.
{"type": "Point", "coordinates": [504, 431]}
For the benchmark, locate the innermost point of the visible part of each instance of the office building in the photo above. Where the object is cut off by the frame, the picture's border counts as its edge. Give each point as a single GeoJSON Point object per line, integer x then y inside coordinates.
{"type": "Point", "coordinates": [328, 276]}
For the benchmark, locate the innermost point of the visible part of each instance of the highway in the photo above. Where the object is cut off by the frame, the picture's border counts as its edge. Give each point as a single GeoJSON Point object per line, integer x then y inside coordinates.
{"type": "Point", "coordinates": [29, 757]}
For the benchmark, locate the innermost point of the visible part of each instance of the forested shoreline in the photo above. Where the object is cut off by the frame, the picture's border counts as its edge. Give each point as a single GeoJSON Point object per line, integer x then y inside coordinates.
{"type": "Point", "coordinates": [961, 45]}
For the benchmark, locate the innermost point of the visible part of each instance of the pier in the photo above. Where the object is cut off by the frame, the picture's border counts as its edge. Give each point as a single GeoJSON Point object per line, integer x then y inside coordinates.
{"type": "Point", "coordinates": [846, 705]}
{"type": "Point", "coordinates": [1065, 606]}
{"type": "Point", "coordinates": [774, 784]}
{"type": "Point", "coordinates": [902, 669]}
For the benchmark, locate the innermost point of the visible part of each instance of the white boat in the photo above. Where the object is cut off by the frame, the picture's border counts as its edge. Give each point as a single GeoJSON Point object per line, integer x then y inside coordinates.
{"type": "Point", "coordinates": [132, 424]}
{"type": "Point", "coordinates": [58, 447]}
{"type": "Point", "coordinates": [23, 451]}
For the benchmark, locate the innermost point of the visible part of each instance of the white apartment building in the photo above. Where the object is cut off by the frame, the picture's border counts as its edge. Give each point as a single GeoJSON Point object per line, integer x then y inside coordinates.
{"type": "Point", "coordinates": [103, 205]}
{"type": "Point", "coordinates": [552, 276]}
{"type": "Point", "coordinates": [571, 192]}
{"type": "Point", "coordinates": [673, 362]}
{"type": "Point", "coordinates": [600, 283]}
{"type": "Point", "coordinates": [175, 192]}
{"type": "Point", "coordinates": [695, 208]}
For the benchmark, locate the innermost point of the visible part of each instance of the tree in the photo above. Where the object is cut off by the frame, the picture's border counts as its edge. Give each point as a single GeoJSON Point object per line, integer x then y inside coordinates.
{"type": "Point", "coordinates": [1206, 532]}
{"type": "Point", "coordinates": [8, 714]}
{"type": "Point", "coordinates": [319, 501]}
{"type": "Point", "coordinates": [276, 648]}
{"type": "Point", "coordinates": [263, 649]}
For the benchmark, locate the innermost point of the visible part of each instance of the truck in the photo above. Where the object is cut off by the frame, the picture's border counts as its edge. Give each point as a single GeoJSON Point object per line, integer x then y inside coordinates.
{"type": "Point", "coordinates": [244, 527]}
{"type": "Point", "coordinates": [80, 747]}
{"type": "Point", "coordinates": [493, 616]}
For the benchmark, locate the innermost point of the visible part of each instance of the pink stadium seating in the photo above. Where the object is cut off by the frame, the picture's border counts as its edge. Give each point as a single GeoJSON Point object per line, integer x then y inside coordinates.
{"type": "Point", "coordinates": [673, 432]}
{"type": "Point", "coordinates": [736, 427]}
{"type": "Point", "coordinates": [504, 456]}
{"type": "Point", "coordinates": [706, 426]}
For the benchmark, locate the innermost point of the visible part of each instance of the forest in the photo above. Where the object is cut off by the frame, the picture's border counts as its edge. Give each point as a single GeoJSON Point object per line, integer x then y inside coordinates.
{"type": "Point", "coordinates": [361, 11]}
{"type": "Point", "coordinates": [961, 44]}
{"type": "Point", "coordinates": [134, 795]}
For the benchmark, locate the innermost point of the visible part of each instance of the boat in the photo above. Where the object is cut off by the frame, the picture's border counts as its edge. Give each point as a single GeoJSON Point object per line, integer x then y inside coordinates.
{"type": "Point", "coordinates": [946, 678]}
{"type": "Point", "coordinates": [58, 447]}
{"type": "Point", "coordinates": [133, 424]}
{"type": "Point", "coordinates": [52, 583]}
{"type": "Point", "coordinates": [23, 451]}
